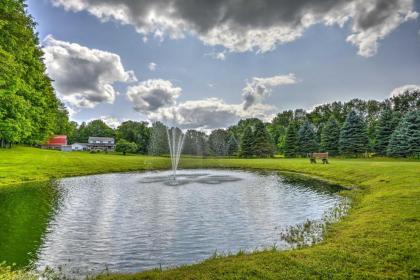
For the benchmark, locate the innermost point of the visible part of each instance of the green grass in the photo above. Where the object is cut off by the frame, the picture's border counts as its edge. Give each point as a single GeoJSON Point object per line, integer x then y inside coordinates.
{"type": "Point", "coordinates": [378, 239]}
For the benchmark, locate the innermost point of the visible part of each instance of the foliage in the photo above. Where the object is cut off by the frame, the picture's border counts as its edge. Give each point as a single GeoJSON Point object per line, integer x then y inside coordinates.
{"type": "Point", "coordinates": [247, 143]}
{"type": "Point", "coordinates": [386, 125]}
{"type": "Point", "coordinates": [232, 145]}
{"type": "Point", "coordinates": [291, 141]}
{"type": "Point", "coordinates": [353, 135]}
{"type": "Point", "coordinates": [123, 146]}
{"type": "Point", "coordinates": [218, 142]}
{"type": "Point", "coordinates": [95, 128]}
{"type": "Point", "coordinates": [29, 109]}
{"type": "Point", "coordinates": [135, 132]}
{"type": "Point", "coordinates": [262, 145]}
{"type": "Point", "coordinates": [329, 137]}
{"type": "Point", "coordinates": [158, 144]}
{"type": "Point", "coordinates": [307, 139]}
{"type": "Point", "coordinates": [196, 143]}
{"type": "Point", "coordinates": [405, 140]}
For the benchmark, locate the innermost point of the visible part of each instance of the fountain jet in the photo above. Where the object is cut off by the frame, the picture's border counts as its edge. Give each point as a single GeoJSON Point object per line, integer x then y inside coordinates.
{"type": "Point", "coordinates": [175, 142]}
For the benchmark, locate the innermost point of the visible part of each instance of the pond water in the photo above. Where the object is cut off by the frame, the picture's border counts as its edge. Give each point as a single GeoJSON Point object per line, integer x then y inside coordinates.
{"type": "Point", "coordinates": [136, 221]}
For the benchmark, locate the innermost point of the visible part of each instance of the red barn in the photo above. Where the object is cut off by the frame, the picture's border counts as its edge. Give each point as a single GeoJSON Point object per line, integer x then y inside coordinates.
{"type": "Point", "coordinates": [56, 142]}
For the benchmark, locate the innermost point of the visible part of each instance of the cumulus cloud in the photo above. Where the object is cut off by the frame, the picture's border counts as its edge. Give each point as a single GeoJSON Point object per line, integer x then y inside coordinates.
{"type": "Point", "coordinates": [150, 95]}
{"type": "Point", "coordinates": [83, 77]}
{"type": "Point", "coordinates": [241, 25]}
{"type": "Point", "coordinates": [207, 114]}
{"type": "Point", "coordinates": [152, 66]}
{"type": "Point", "coordinates": [259, 88]}
{"type": "Point", "coordinates": [406, 88]}
{"type": "Point", "coordinates": [157, 99]}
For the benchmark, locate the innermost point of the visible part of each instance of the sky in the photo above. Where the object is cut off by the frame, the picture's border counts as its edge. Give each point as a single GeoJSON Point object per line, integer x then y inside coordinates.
{"type": "Point", "coordinates": [207, 64]}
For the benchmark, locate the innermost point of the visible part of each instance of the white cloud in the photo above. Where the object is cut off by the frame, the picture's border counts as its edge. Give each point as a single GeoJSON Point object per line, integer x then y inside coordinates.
{"type": "Point", "coordinates": [83, 77]}
{"type": "Point", "coordinates": [157, 100]}
{"type": "Point", "coordinates": [217, 55]}
{"type": "Point", "coordinates": [207, 114]}
{"type": "Point", "coordinates": [240, 25]}
{"type": "Point", "coordinates": [152, 66]}
{"type": "Point", "coordinates": [111, 121]}
{"type": "Point", "coordinates": [151, 95]}
{"type": "Point", "coordinates": [406, 88]}
{"type": "Point", "coordinates": [259, 88]}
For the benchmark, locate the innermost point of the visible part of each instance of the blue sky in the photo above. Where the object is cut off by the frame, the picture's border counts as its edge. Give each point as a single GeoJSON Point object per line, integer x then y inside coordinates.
{"type": "Point", "coordinates": [320, 65]}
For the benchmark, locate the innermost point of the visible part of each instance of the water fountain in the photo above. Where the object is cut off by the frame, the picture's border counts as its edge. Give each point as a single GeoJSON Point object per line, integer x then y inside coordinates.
{"type": "Point", "coordinates": [175, 142]}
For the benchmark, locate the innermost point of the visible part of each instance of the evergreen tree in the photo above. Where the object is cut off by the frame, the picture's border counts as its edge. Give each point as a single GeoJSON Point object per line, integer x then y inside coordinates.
{"type": "Point", "coordinates": [247, 143]}
{"type": "Point", "coordinates": [291, 141]}
{"type": "Point", "coordinates": [386, 126]}
{"type": "Point", "coordinates": [353, 135]}
{"type": "Point", "coordinates": [405, 140]}
{"type": "Point", "coordinates": [232, 144]}
{"type": "Point", "coordinates": [307, 139]}
{"type": "Point", "coordinates": [262, 144]}
{"type": "Point", "coordinates": [329, 137]}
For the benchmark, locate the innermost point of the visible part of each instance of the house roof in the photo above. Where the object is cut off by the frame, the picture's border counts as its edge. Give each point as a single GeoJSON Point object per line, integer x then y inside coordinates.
{"type": "Point", "coordinates": [91, 138]}
{"type": "Point", "coordinates": [58, 140]}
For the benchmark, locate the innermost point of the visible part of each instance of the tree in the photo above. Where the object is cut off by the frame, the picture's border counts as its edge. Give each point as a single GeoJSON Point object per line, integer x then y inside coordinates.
{"type": "Point", "coordinates": [329, 137]}
{"type": "Point", "coordinates": [196, 143]}
{"type": "Point", "coordinates": [247, 143]}
{"type": "Point", "coordinates": [353, 135]}
{"type": "Point", "coordinates": [405, 140]}
{"type": "Point", "coordinates": [291, 141]}
{"type": "Point", "coordinates": [218, 142]}
{"type": "Point", "coordinates": [136, 132]}
{"type": "Point", "coordinates": [158, 143]}
{"type": "Point", "coordinates": [307, 139]}
{"type": "Point", "coordinates": [29, 109]}
{"type": "Point", "coordinates": [232, 145]}
{"type": "Point", "coordinates": [262, 143]}
{"type": "Point", "coordinates": [386, 125]}
{"type": "Point", "coordinates": [97, 128]}
{"type": "Point", "coordinates": [124, 147]}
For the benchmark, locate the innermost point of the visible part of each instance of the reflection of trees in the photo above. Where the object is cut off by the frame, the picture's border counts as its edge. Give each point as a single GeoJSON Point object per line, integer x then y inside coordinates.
{"type": "Point", "coordinates": [25, 211]}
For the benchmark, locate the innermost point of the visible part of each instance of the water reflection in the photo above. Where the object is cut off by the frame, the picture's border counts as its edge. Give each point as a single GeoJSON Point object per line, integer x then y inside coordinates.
{"type": "Point", "coordinates": [132, 222]}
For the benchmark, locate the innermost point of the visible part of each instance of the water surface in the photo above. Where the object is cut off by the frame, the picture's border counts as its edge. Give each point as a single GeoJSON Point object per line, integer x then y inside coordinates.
{"type": "Point", "coordinates": [136, 221]}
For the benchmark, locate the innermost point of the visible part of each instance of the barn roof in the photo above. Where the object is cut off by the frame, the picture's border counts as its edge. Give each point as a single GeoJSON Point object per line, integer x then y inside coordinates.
{"type": "Point", "coordinates": [58, 140]}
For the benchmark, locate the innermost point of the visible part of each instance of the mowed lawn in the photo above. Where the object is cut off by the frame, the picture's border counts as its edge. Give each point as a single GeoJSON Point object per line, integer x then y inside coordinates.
{"type": "Point", "coordinates": [380, 238]}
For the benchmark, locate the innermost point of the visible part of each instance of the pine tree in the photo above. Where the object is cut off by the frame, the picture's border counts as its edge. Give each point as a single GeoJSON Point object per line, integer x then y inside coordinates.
{"type": "Point", "coordinates": [405, 140]}
{"type": "Point", "coordinates": [247, 143]}
{"type": "Point", "coordinates": [413, 120]}
{"type": "Point", "coordinates": [307, 139]}
{"type": "Point", "coordinates": [290, 145]}
{"type": "Point", "coordinates": [232, 145]}
{"type": "Point", "coordinates": [329, 137]}
{"type": "Point", "coordinates": [386, 126]}
{"type": "Point", "coordinates": [353, 135]}
{"type": "Point", "coordinates": [262, 144]}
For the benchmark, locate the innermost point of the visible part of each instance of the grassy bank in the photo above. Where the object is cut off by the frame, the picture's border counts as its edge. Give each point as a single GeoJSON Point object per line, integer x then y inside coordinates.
{"type": "Point", "coordinates": [378, 239]}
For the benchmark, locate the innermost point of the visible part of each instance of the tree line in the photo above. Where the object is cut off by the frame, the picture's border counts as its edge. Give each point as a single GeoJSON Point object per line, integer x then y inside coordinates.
{"type": "Point", "coordinates": [354, 128]}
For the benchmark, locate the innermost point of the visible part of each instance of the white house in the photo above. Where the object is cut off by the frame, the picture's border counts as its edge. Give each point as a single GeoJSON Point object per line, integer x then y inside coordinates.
{"type": "Point", "coordinates": [79, 146]}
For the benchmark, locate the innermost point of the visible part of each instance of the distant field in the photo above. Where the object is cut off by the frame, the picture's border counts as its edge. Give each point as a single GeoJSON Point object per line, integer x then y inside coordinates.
{"type": "Point", "coordinates": [378, 239]}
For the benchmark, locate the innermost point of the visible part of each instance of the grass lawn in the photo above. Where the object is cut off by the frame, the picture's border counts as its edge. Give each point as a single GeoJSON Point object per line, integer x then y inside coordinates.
{"type": "Point", "coordinates": [380, 238]}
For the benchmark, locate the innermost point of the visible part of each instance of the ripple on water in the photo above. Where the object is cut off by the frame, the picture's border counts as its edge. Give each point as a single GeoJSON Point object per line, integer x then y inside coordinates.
{"type": "Point", "coordinates": [137, 221]}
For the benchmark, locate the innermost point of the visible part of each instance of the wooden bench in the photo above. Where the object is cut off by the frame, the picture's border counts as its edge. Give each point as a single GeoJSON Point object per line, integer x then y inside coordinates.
{"type": "Point", "coordinates": [322, 156]}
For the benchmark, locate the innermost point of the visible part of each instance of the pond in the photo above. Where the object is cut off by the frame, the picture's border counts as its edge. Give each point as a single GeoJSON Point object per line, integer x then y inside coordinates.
{"type": "Point", "coordinates": [136, 221]}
